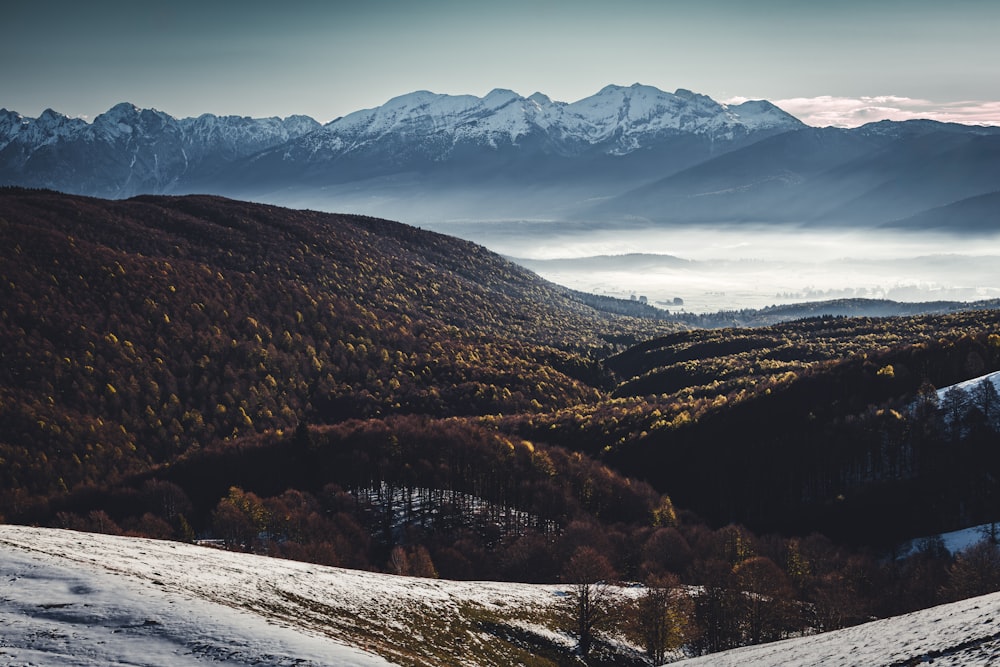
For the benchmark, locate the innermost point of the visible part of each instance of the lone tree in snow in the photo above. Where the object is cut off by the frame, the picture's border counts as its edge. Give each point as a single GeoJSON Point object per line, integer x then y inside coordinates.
{"type": "Point", "coordinates": [589, 575]}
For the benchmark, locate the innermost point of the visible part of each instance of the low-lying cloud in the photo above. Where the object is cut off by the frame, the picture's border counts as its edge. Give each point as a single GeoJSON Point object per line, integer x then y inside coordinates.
{"type": "Point", "coordinates": [829, 110]}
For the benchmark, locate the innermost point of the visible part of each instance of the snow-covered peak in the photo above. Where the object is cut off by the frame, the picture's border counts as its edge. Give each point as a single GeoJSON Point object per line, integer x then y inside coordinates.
{"type": "Point", "coordinates": [759, 114]}
{"type": "Point", "coordinates": [541, 99]}
{"type": "Point", "coordinates": [11, 125]}
{"type": "Point", "coordinates": [125, 119]}
{"type": "Point", "coordinates": [426, 116]}
{"type": "Point", "coordinates": [120, 112]}
{"type": "Point", "coordinates": [500, 97]}
{"type": "Point", "coordinates": [686, 94]}
{"type": "Point", "coordinates": [49, 127]}
{"type": "Point", "coordinates": [50, 118]}
{"type": "Point", "coordinates": [624, 116]}
{"type": "Point", "coordinates": [298, 124]}
{"type": "Point", "coordinates": [631, 116]}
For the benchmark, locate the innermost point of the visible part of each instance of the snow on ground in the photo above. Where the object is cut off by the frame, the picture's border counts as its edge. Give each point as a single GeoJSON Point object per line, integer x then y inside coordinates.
{"type": "Point", "coordinates": [955, 541]}
{"type": "Point", "coordinates": [963, 634]}
{"type": "Point", "coordinates": [969, 385]}
{"type": "Point", "coordinates": [82, 600]}
{"type": "Point", "coordinates": [69, 598]}
{"type": "Point", "coordinates": [75, 599]}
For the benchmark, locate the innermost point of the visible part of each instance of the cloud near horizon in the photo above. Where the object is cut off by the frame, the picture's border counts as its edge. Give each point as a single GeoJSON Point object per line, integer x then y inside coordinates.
{"type": "Point", "coordinates": [828, 110]}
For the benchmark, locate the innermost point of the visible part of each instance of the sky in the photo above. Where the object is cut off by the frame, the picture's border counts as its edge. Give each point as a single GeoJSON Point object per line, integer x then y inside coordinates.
{"type": "Point", "coordinates": [838, 62]}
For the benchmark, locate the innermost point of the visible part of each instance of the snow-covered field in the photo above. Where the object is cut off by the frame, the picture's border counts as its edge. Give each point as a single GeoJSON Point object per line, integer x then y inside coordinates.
{"type": "Point", "coordinates": [969, 385]}
{"type": "Point", "coordinates": [961, 634]}
{"type": "Point", "coordinates": [69, 598]}
{"type": "Point", "coordinates": [77, 599]}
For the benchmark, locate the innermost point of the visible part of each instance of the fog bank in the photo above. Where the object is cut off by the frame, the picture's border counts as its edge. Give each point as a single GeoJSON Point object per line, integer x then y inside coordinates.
{"type": "Point", "coordinates": [722, 268]}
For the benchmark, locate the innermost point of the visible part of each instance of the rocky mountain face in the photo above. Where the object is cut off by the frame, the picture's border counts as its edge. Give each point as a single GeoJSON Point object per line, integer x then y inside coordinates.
{"type": "Point", "coordinates": [128, 151]}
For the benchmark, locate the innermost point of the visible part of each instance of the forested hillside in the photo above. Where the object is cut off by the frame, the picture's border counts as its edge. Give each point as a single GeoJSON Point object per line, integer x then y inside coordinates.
{"type": "Point", "coordinates": [357, 392]}
{"type": "Point", "coordinates": [828, 424]}
{"type": "Point", "coordinates": [800, 426]}
{"type": "Point", "coordinates": [136, 331]}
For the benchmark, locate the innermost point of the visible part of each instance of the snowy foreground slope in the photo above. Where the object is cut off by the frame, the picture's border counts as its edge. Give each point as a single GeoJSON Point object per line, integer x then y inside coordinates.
{"type": "Point", "coordinates": [965, 634]}
{"type": "Point", "coordinates": [69, 598]}
{"type": "Point", "coordinates": [76, 599]}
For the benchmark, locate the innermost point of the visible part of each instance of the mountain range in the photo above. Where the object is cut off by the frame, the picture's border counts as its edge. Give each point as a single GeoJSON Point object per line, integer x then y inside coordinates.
{"type": "Point", "coordinates": [624, 153]}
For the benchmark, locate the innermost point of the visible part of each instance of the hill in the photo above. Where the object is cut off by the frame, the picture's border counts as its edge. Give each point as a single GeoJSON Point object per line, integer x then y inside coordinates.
{"type": "Point", "coordinates": [321, 386]}
{"type": "Point", "coordinates": [817, 422]}
{"type": "Point", "coordinates": [137, 330]}
{"type": "Point", "coordinates": [87, 599]}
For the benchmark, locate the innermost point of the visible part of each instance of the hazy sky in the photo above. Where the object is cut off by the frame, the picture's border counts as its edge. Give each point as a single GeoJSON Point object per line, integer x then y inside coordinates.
{"type": "Point", "coordinates": [830, 62]}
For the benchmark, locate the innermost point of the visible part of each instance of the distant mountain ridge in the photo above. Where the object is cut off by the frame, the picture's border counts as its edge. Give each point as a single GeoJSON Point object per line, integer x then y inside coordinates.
{"type": "Point", "coordinates": [626, 152]}
{"type": "Point", "coordinates": [127, 151]}
{"type": "Point", "coordinates": [911, 174]}
{"type": "Point", "coordinates": [458, 142]}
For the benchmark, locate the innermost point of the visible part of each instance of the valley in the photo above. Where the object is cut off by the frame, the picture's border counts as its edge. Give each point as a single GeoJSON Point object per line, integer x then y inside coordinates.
{"type": "Point", "coordinates": [354, 392]}
{"type": "Point", "coordinates": [726, 268]}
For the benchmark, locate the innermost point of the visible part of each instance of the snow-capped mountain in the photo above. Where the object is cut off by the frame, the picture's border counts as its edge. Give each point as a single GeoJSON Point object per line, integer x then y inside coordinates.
{"type": "Point", "coordinates": [624, 153]}
{"type": "Point", "coordinates": [621, 135]}
{"type": "Point", "coordinates": [127, 150]}
{"type": "Point", "coordinates": [617, 119]}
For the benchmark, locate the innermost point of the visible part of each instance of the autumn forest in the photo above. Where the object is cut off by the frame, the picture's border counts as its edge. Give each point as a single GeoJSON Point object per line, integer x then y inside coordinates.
{"type": "Point", "coordinates": [357, 392]}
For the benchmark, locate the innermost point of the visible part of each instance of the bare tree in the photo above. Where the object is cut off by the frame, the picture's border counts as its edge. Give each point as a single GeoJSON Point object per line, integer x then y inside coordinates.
{"type": "Point", "coordinates": [590, 575]}
{"type": "Point", "coordinates": [767, 596]}
{"type": "Point", "coordinates": [976, 571]}
{"type": "Point", "coordinates": [987, 400]}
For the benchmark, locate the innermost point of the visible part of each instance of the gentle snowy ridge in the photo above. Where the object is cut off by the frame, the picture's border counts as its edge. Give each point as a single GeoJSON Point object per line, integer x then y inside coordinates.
{"type": "Point", "coordinates": [64, 600]}
{"type": "Point", "coordinates": [968, 385]}
{"type": "Point", "coordinates": [81, 599]}
{"type": "Point", "coordinates": [963, 633]}
{"type": "Point", "coordinates": [87, 599]}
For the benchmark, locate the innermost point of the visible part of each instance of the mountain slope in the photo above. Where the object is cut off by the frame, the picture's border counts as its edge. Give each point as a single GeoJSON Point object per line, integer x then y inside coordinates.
{"type": "Point", "coordinates": [865, 176]}
{"type": "Point", "coordinates": [89, 599]}
{"type": "Point", "coordinates": [963, 634]}
{"type": "Point", "coordinates": [977, 213]}
{"type": "Point", "coordinates": [134, 330]}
